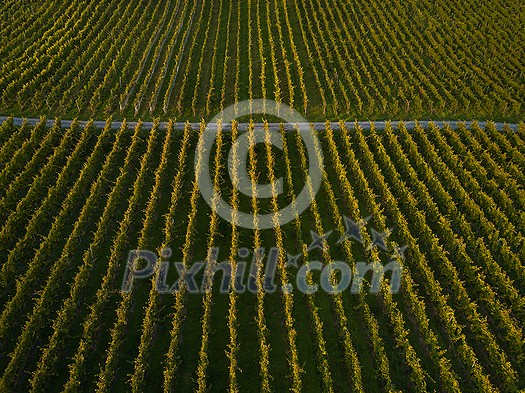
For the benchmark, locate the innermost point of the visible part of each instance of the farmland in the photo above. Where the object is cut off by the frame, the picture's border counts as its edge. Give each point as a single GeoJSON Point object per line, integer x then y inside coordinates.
{"type": "Point", "coordinates": [330, 60]}
{"type": "Point", "coordinates": [76, 200]}
{"type": "Point", "coordinates": [153, 242]}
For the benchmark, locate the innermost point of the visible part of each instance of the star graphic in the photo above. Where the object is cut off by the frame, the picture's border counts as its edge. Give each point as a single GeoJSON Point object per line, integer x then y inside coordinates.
{"type": "Point", "coordinates": [353, 229]}
{"type": "Point", "coordinates": [399, 252]}
{"type": "Point", "coordinates": [292, 260]}
{"type": "Point", "coordinates": [318, 240]}
{"type": "Point", "coordinates": [378, 239]}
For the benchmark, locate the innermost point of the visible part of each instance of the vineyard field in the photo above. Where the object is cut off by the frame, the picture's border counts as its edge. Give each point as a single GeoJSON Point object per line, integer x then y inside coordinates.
{"type": "Point", "coordinates": [337, 59]}
{"type": "Point", "coordinates": [262, 196]}
{"type": "Point", "coordinates": [75, 200]}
